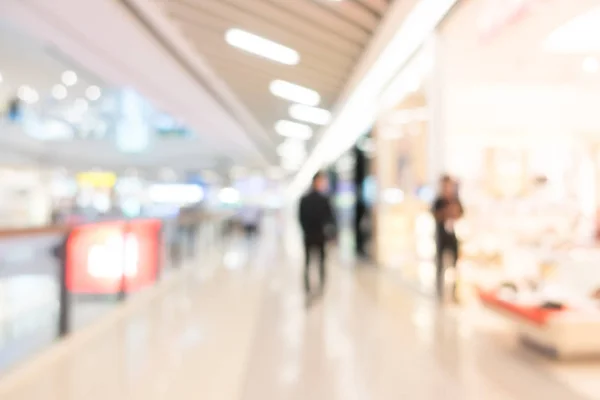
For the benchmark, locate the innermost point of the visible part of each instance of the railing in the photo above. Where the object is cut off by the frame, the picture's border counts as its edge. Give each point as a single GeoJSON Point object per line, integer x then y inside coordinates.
{"type": "Point", "coordinates": [99, 264]}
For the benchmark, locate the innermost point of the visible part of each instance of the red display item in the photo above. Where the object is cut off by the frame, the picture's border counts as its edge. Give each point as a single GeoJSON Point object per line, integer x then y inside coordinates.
{"type": "Point", "coordinates": [538, 316]}
{"type": "Point", "coordinates": [98, 255]}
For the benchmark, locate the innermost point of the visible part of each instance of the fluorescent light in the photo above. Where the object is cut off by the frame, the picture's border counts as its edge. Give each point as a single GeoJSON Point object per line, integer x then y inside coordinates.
{"type": "Point", "coordinates": [590, 65]}
{"type": "Point", "coordinates": [262, 47]}
{"type": "Point", "coordinates": [313, 115]}
{"type": "Point", "coordinates": [69, 78]}
{"type": "Point", "coordinates": [59, 92]}
{"type": "Point", "coordinates": [293, 130]}
{"type": "Point", "coordinates": [93, 93]}
{"type": "Point", "coordinates": [295, 93]}
{"type": "Point", "coordinates": [28, 94]}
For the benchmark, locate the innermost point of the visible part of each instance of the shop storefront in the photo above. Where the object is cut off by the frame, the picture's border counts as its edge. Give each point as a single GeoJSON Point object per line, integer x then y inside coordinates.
{"type": "Point", "coordinates": [504, 100]}
{"type": "Point", "coordinates": [406, 166]}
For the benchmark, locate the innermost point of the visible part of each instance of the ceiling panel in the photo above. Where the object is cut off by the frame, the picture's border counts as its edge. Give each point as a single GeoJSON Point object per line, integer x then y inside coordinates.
{"type": "Point", "coordinates": [377, 6]}
{"type": "Point", "coordinates": [330, 37]}
{"type": "Point", "coordinates": [353, 11]}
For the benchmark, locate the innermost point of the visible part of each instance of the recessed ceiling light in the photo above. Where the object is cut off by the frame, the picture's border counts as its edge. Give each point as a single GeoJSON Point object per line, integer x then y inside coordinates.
{"type": "Point", "coordinates": [295, 93]}
{"type": "Point", "coordinates": [69, 78]}
{"type": "Point", "coordinates": [59, 92]}
{"type": "Point", "coordinates": [28, 94]}
{"type": "Point", "coordinates": [590, 65]}
{"type": "Point", "coordinates": [262, 47]}
{"type": "Point", "coordinates": [293, 130]}
{"type": "Point", "coordinates": [93, 93]}
{"type": "Point", "coordinates": [317, 116]}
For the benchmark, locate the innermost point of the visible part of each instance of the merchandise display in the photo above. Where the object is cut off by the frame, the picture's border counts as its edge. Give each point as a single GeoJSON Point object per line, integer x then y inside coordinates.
{"type": "Point", "coordinates": [544, 284]}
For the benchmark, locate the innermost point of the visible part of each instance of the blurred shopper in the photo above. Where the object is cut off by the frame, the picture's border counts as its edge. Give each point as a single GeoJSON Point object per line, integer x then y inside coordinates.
{"type": "Point", "coordinates": [250, 218]}
{"type": "Point", "coordinates": [446, 209]}
{"type": "Point", "coordinates": [318, 223]}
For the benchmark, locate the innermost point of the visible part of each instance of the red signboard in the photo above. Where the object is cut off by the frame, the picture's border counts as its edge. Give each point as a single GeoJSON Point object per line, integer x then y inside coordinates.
{"type": "Point", "coordinates": [102, 257]}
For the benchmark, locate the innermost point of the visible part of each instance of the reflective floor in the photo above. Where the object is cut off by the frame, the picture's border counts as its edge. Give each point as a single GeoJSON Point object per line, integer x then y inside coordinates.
{"type": "Point", "coordinates": [236, 326]}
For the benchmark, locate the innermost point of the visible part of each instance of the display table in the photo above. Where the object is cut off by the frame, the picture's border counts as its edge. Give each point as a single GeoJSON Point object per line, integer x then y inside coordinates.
{"type": "Point", "coordinates": [563, 334]}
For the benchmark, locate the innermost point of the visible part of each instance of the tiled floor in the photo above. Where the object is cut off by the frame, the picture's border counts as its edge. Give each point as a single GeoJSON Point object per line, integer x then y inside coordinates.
{"type": "Point", "coordinates": [240, 329]}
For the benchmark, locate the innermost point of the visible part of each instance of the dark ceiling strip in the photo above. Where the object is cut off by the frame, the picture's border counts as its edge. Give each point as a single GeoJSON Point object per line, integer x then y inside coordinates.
{"type": "Point", "coordinates": [198, 8]}
{"type": "Point", "coordinates": [277, 4]}
{"type": "Point", "coordinates": [263, 147]}
{"type": "Point", "coordinates": [368, 9]}
{"type": "Point", "coordinates": [335, 12]}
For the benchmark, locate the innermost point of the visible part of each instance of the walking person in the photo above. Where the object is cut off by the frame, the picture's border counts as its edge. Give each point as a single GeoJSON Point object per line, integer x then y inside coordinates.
{"type": "Point", "coordinates": [316, 218]}
{"type": "Point", "coordinates": [446, 209]}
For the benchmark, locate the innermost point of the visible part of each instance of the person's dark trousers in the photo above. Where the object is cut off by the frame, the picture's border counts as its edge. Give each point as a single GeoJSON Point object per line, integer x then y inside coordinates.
{"type": "Point", "coordinates": [314, 245]}
{"type": "Point", "coordinates": [445, 243]}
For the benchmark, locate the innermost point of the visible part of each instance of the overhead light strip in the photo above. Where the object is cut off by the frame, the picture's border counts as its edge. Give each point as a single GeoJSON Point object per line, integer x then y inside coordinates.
{"type": "Point", "coordinates": [293, 130]}
{"type": "Point", "coordinates": [296, 93]}
{"type": "Point", "coordinates": [358, 113]}
{"type": "Point", "coordinates": [313, 115]}
{"type": "Point", "coordinates": [262, 47]}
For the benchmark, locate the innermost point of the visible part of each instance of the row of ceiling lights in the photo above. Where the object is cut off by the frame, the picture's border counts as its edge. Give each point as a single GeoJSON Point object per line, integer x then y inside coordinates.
{"type": "Point", "coordinates": [305, 100]}
{"type": "Point", "coordinates": [29, 95]}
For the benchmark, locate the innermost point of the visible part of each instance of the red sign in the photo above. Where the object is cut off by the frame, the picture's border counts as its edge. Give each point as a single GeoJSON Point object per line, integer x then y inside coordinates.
{"type": "Point", "coordinates": [103, 257]}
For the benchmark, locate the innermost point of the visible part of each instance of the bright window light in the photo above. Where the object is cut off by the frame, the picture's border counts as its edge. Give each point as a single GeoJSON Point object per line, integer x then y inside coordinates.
{"type": "Point", "coordinates": [313, 115]}
{"type": "Point", "coordinates": [295, 93]}
{"type": "Point", "coordinates": [69, 78]}
{"type": "Point", "coordinates": [229, 195]}
{"type": "Point", "coordinates": [93, 93]}
{"type": "Point", "coordinates": [392, 196]}
{"type": "Point", "coordinates": [181, 194]}
{"type": "Point", "coordinates": [262, 47]}
{"type": "Point", "coordinates": [59, 92]}
{"type": "Point", "coordinates": [28, 94]}
{"type": "Point", "coordinates": [1, 78]}
{"type": "Point", "coordinates": [293, 130]}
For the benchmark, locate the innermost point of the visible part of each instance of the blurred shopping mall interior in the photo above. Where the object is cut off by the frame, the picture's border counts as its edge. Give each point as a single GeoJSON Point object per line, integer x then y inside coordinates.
{"type": "Point", "coordinates": [154, 153]}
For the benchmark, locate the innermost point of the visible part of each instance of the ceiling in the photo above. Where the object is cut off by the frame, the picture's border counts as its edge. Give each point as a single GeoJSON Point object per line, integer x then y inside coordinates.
{"type": "Point", "coordinates": [329, 35]}
{"type": "Point", "coordinates": [175, 54]}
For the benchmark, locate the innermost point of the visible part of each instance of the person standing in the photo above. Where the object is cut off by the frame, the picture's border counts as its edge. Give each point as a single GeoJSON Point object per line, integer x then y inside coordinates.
{"type": "Point", "coordinates": [316, 217]}
{"type": "Point", "coordinates": [446, 209]}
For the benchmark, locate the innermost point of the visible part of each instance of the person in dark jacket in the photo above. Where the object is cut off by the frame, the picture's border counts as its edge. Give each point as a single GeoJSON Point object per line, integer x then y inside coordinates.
{"type": "Point", "coordinates": [316, 217]}
{"type": "Point", "coordinates": [446, 209]}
